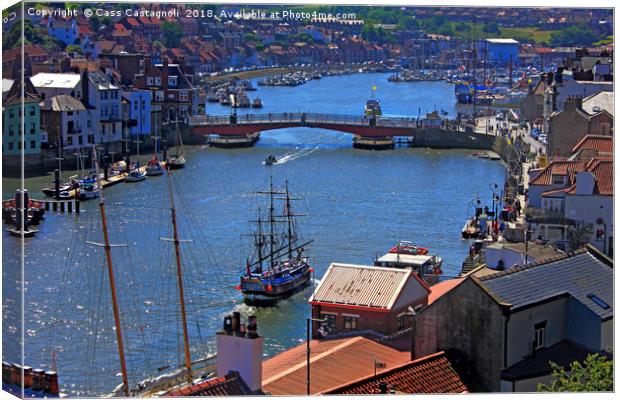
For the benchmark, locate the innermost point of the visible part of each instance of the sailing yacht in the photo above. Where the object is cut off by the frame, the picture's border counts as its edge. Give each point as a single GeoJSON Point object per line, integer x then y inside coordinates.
{"type": "Point", "coordinates": [177, 161]}
{"type": "Point", "coordinates": [280, 268]}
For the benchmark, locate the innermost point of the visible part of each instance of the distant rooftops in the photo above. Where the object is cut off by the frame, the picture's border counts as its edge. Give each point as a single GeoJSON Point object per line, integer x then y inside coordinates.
{"type": "Point", "coordinates": [66, 103]}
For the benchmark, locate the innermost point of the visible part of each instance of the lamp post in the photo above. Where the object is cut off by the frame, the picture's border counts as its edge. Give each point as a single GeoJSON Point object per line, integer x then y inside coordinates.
{"type": "Point", "coordinates": [309, 321]}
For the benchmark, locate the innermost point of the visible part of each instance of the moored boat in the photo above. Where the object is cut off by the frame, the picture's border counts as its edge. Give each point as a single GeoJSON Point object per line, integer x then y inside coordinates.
{"type": "Point", "coordinates": [407, 247]}
{"type": "Point", "coordinates": [135, 175]}
{"type": "Point", "coordinates": [88, 191]}
{"type": "Point", "coordinates": [154, 167]}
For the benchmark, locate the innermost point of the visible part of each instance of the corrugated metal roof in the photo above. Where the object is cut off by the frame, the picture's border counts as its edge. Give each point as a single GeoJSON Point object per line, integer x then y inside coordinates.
{"type": "Point", "coordinates": [334, 362]}
{"type": "Point", "coordinates": [361, 285]}
{"type": "Point", "coordinates": [577, 275]}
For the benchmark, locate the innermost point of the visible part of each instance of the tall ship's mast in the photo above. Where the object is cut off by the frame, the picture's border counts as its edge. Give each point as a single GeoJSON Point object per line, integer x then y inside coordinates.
{"type": "Point", "coordinates": [108, 255]}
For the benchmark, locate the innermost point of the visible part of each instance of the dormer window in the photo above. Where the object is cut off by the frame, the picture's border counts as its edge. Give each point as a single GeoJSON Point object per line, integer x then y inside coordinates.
{"type": "Point", "coordinates": [558, 179]}
{"type": "Point", "coordinates": [149, 81]}
{"type": "Point", "coordinates": [172, 81]}
{"type": "Point", "coordinates": [539, 335]}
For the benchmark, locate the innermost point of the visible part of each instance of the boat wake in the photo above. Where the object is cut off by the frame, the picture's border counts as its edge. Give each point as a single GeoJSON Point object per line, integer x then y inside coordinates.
{"type": "Point", "coordinates": [294, 155]}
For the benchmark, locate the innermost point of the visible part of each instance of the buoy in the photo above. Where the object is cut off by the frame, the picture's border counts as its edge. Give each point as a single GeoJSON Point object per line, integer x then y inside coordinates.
{"type": "Point", "coordinates": [269, 288]}
{"type": "Point", "coordinates": [238, 287]}
{"type": "Point", "coordinates": [311, 269]}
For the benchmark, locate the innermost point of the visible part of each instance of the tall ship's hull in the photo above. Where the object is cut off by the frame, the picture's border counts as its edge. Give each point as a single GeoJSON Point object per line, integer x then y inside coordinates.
{"type": "Point", "coordinates": [261, 290]}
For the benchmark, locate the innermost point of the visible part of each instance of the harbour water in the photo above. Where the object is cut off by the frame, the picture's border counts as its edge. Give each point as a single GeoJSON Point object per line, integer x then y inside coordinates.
{"type": "Point", "coordinates": [359, 203]}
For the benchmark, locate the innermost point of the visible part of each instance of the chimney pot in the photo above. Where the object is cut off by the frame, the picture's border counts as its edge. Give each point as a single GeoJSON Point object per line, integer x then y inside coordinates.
{"type": "Point", "coordinates": [383, 387]}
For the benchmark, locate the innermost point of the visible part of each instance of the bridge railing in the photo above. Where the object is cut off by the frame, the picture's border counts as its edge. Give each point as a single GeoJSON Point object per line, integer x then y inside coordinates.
{"type": "Point", "coordinates": [302, 118]}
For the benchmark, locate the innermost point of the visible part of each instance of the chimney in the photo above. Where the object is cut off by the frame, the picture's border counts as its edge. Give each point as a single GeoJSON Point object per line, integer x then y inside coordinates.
{"type": "Point", "coordinates": [240, 348]}
{"type": "Point", "coordinates": [383, 387]}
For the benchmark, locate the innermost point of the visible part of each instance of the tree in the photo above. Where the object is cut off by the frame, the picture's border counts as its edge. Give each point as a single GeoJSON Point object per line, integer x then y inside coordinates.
{"type": "Point", "coordinates": [172, 33]}
{"type": "Point", "coordinates": [491, 27]}
{"type": "Point", "coordinates": [595, 375]}
{"type": "Point", "coordinates": [72, 48]}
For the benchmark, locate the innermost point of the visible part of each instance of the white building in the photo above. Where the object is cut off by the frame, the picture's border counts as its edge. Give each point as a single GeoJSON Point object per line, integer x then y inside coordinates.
{"type": "Point", "coordinates": [139, 111]}
{"type": "Point", "coordinates": [104, 96]}
{"type": "Point", "coordinates": [52, 84]}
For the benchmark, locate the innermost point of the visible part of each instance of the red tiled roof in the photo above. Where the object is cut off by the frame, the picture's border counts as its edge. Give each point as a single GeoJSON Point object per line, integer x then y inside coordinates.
{"type": "Point", "coordinates": [603, 171]}
{"type": "Point", "coordinates": [333, 362]}
{"type": "Point", "coordinates": [31, 50]}
{"type": "Point", "coordinates": [133, 22]}
{"type": "Point", "coordinates": [430, 374]}
{"type": "Point", "coordinates": [600, 143]}
{"type": "Point", "coordinates": [85, 30]}
{"type": "Point", "coordinates": [229, 385]}
{"type": "Point", "coordinates": [442, 288]}
{"type": "Point", "coordinates": [557, 167]}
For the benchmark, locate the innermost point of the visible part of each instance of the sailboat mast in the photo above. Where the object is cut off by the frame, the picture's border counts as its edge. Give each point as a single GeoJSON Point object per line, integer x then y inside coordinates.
{"type": "Point", "coordinates": [108, 256]}
{"type": "Point", "coordinates": [271, 221]}
{"type": "Point", "coordinates": [288, 220]}
{"type": "Point", "coordinates": [188, 362]}
{"type": "Point", "coordinates": [259, 242]}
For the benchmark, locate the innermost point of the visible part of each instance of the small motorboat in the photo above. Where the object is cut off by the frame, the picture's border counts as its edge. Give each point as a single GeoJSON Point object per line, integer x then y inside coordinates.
{"type": "Point", "coordinates": [154, 167]}
{"type": "Point", "coordinates": [88, 191]}
{"type": "Point", "coordinates": [270, 160]}
{"type": "Point", "coordinates": [51, 191]}
{"type": "Point", "coordinates": [257, 103]}
{"type": "Point", "coordinates": [135, 175]}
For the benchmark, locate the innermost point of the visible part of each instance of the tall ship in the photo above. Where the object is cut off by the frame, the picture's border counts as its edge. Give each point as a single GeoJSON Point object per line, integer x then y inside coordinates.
{"type": "Point", "coordinates": [278, 267]}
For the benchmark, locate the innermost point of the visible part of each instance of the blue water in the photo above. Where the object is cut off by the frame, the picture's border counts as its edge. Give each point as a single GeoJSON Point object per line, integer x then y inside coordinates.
{"type": "Point", "coordinates": [359, 203]}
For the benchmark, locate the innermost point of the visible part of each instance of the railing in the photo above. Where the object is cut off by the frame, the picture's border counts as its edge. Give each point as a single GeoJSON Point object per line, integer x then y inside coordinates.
{"type": "Point", "coordinates": [302, 118]}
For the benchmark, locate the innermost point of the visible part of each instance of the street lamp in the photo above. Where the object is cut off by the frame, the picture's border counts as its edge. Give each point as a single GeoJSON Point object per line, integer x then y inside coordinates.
{"type": "Point", "coordinates": [309, 321]}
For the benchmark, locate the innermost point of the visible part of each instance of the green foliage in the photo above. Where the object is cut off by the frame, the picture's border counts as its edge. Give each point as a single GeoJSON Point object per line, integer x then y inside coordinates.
{"type": "Point", "coordinates": [32, 35]}
{"type": "Point", "coordinates": [377, 35]}
{"type": "Point", "coordinates": [491, 28]}
{"type": "Point", "coordinates": [407, 22]}
{"type": "Point", "coordinates": [172, 33]}
{"type": "Point", "coordinates": [301, 37]}
{"type": "Point", "coordinates": [250, 38]}
{"type": "Point", "coordinates": [72, 48]}
{"type": "Point", "coordinates": [575, 35]}
{"type": "Point", "coordinates": [445, 29]}
{"type": "Point", "coordinates": [595, 375]}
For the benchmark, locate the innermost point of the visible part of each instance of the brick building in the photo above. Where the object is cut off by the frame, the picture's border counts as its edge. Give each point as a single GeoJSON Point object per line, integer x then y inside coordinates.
{"type": "Point", "coordinates": [364, 298]}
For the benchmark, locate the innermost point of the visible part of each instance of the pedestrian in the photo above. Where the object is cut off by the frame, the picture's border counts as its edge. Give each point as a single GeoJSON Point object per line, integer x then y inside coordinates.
{"type": "Point", "coordinates": [518, 207]}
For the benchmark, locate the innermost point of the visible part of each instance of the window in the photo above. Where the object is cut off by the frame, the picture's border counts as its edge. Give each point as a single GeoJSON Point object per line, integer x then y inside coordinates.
{"type": "Point", "coordinates": [32, 128]}
{"type": "Point", "coordinates": [80, 140]}
{"type": "Point", "coordinates": [32, 111]}
{"type": "Point", "coordinates": [330, 320]}
{"type": "Point", "coordinates": [157, 81]}
{"type": "Point", "coordinates": [159, 95]}
{"type": "Point", "coordinates": [183, 95]}
{"type": "Point", "coordinates": [69, 140]}
{"type": "Point", "coordinates": [350, 323]}
{"type": "Point", "coordinates": [558, 179]}
{"type": "Point", "coordinates": [599, 301]}
{"type": "Point", "coordinates": [11, 130]}
{"type": "Point", "coordinates": [33, 144]}
{"type": "Point", "coordinates": [149, 81]}
{"type": "Point", "coordinates": [539, 335]}
{"type": "Point", "coordinates": [11, 145]}
{"type": "Point", "coordinates": [172, 80]}
{"type": "Point", "coordinates": [11, 113]}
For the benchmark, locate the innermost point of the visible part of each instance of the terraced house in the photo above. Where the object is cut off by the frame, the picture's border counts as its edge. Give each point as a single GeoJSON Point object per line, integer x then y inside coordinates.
{"type": "Point", "coordinates": [14, 135]}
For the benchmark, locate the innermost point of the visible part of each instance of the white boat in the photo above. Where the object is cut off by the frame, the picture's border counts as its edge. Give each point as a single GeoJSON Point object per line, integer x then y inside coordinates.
{"type": "Point", "coordinates": [135, 175]}
{"type": "Point", "coordinates": [154, 167]}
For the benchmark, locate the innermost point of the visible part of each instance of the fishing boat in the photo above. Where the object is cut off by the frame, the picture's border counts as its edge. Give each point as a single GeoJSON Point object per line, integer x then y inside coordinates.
{"type": "Point", "coordinates": [270, 160]}
{"type": "Point", "coordinates": [154, 167]}
{"type": "Point", "coordinates": [177, 160]}
{"type": "Point", "coordinates": [373, 106]}
{"type": "Point", "coordinates": [471, 229]}
{"type": "Point", "coordinates": [135, 175]}
{"type": "Point", "coordinates": [34, 211]}
{"type": "Point", "coordinates": [280, 267]}
{"type": "Point", "coordinates": [51, 191]}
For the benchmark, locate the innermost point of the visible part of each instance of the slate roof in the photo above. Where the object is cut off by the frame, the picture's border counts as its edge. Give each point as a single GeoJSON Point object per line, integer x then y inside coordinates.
{"type": "Point", "coordinates": [230, 385]}
{"type": "Point", "coordinates": [333, 362]}
{"type": "Point", "coordinates": [361, 285]}
{"type": "Point", "coordinates": [430, 374]}
{"type": "Point", "coordinates": [584, 273]}
{"type": "Point", "coordinates": [562, 353]}
{"type": "Point", "coordinates": [66, 103]}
